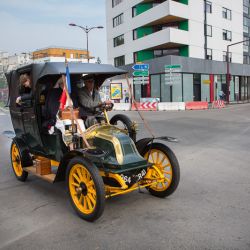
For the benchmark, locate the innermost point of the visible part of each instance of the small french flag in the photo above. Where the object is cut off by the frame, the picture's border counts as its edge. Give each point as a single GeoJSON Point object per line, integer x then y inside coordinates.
{"type": "Point", "coordinates": [63, 98]}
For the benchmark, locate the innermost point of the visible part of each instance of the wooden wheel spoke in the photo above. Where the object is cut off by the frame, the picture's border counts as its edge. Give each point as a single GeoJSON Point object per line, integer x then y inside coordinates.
{"type": "Point", "coordinates": [89, 205]}
{"type": "Point", "coordinates": [90, 184]}
{"type": "Point", "coordinates": [84, 203]}
{"type": "Point", "coordinates": [91, 198]}
{"type": "Point", "coordinates": [76, 178]}
{"type": "Point", "coordinates": [75, 184]}
{"type": "Point", "coordinates": [81, 199]}
{"type": "Point", "coordinates": [152, 156]}
{"type": "Point", "coordinates": [162, 160]}
{"type": "Point", "coordinates": [167, 179]}
{"type": "Point", "coordinates": [167, 172]}
{"type": "Point", "coordinates": [167, 165]}
{"type": "Point", "coordinates": [79, 174]}
{"type": "Point", "coordinates": [157, 156]}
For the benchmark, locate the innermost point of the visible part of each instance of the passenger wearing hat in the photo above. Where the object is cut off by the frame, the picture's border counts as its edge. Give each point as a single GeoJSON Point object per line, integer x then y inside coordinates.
{"type": "Point", "coordinates": [89, 99]}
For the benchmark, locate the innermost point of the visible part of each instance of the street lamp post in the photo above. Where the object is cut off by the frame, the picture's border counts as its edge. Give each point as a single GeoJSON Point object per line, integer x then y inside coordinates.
{"type": "Point", "coordinates": [228, 68]}
{"type": "Point", "coordinates": [86, 29]}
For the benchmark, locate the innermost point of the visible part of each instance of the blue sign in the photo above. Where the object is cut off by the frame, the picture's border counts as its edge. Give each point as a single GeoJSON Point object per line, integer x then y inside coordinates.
{"type": "Point", "coordinates": [141, 67]}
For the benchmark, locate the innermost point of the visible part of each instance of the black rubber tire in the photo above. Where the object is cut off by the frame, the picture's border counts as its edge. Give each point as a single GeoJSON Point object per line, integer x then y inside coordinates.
{"type": "Point", "coordinates": [128, 124]}
{"type": "Point", "coordinates": [175, 168]}
{"type": "Point", "coordinates": [99, 186]}
{"type": "Point", "coordinates": [24, 175]}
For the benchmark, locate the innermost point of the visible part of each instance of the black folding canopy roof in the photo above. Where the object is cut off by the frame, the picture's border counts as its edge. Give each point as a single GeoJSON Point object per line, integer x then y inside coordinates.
{"type": "Point", "coordinates": [99, 71]}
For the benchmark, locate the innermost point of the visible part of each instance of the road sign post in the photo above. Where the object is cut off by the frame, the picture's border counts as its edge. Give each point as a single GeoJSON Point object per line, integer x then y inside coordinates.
{"type": "Point", "coordinates": [141, 74]}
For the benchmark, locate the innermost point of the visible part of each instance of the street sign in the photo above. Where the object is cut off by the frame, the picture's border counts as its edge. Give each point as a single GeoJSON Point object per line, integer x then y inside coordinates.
{"type": "Point", "coordinates": [206, 81]}
{"type": "Point", "coordinates": [141, 82]}
{"type": "Point", "coordinates": [141, 67]}
{"type": "Point", "coordinates": [172, 74]}
{"type": "Point", "coordinates": [141, 73]}
{"type": "Point", "coordinates": [173, 67]}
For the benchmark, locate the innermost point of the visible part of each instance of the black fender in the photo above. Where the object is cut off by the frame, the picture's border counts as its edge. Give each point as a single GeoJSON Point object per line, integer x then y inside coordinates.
{"type": "Point", "coordinates": [88, 154]}
{"type": "Point", "coordinates": [142, 143]}
{"type": "Point", "coordinates": [26, 159]}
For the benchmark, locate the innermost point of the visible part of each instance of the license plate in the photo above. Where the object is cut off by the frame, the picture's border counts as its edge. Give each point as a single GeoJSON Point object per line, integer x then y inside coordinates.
{"type": "Point", "coordinates": [133, 178]}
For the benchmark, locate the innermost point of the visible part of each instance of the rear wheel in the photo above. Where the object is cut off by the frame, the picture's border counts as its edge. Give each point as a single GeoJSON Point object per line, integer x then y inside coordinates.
{"type": "Point", "coordinates": [16, 162]}
{"type": "Point", "coordinates": [123, 122]}
{"type": "Point", "coordinates": [85, 188]}
{"type": "Point", "coordinates": [165, 169]}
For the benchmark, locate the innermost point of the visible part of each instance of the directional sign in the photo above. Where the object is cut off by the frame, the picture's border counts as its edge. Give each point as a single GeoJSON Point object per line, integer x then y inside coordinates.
{"type": "Point", "coordinates": [141, 73]}
{"type": "Point", "coordinates": [173, 74]}
{"type": "Point", "coordinates": [141, 82]}
{"type": "Point", "coordinates": [173, 66]}
{"type": "Point", "coordinates": [141, 78]}
{"type": "Point", "coordinates": [141, 67]}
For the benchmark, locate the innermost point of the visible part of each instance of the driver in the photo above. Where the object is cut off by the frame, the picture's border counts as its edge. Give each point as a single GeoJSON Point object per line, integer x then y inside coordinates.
{"type": "Point", "coordinates": [89, 100]}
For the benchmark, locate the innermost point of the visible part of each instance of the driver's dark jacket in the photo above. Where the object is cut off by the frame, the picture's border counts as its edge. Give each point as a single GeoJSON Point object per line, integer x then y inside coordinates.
{"type": "Point", "coordinates": [88, 102]}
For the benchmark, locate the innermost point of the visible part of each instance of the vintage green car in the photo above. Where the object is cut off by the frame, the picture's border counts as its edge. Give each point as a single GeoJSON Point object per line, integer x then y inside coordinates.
{"type": "Point", "coordinates": [114, 163]}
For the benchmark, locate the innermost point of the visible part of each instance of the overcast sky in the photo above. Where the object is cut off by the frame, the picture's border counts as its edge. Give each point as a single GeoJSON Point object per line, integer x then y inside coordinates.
{"type": "Point", "coordinates": [27, 25]}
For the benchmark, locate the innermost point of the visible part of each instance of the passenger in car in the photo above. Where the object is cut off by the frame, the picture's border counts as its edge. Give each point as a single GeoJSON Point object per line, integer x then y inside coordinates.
{"type": "Point", "coordinates": [52, 104]}
{"type": "Point", "coordinates": [25, 89]}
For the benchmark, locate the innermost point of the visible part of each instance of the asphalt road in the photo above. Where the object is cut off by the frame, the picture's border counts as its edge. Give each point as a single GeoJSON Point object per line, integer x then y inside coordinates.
{"type": "Point", "coordinates": [209, 210]}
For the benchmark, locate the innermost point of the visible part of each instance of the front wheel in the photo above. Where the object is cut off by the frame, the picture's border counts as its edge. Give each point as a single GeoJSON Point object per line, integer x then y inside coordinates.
{"type": "Point", "coordinates": [85, 189]}
{"type": "Point", "coordinates": [165, 169]}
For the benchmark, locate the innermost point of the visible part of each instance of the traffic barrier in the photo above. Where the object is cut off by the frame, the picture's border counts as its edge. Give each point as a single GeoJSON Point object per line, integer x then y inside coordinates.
{"type": "Point", "coordinates": [218, 104]}
{"type": "Point", "coordinates": [166, 106]}
{"type": "Point", "coordinates": [145, 106]}
{"type": "Point", "coordinates": [122, 106]}
{"type": "Point", "coordinates": [196, 105]}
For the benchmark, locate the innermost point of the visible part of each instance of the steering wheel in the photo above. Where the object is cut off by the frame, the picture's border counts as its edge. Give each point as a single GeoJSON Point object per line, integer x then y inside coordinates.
{"type": "Point", "coordinates": [106, 106]}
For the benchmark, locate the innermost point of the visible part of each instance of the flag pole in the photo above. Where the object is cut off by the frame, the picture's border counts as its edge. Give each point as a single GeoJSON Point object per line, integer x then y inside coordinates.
{"type": "Point", "coordinates": [73, 117]}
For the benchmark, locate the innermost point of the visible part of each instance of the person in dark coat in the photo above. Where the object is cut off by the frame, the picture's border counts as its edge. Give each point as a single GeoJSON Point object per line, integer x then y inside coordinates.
{"type": "Point", "coordinates": [52, 103]}
{"type": "Point", "coordinates": [25, 89]}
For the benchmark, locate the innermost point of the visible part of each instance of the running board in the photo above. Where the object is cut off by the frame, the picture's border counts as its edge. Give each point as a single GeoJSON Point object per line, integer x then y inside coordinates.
{"type": "Point", "coordinates": [48, 177]}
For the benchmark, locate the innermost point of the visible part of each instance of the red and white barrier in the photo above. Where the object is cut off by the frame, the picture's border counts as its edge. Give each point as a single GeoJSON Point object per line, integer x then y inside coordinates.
{"type": "Point", "coordinates": [145, 106]}
{"type": "Point", "coordinates": [196, 105]}
{"type": "Point", "coordinates": [218, 104]}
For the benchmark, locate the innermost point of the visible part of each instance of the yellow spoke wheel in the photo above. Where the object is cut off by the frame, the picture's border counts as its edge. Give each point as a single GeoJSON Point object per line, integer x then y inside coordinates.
{"type": "Point", "coordinates": [165, 170]}
{"type": "Point", "coordinates": [86, 189]}
{"type": "Point", "coordinates": [16, 162]}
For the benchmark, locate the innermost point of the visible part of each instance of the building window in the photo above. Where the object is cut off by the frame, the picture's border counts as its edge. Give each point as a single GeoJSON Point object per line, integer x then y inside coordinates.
{"type": "Point", "coordinates": [118, 20]}
{"type": "Point", "coordinates": [116, 2]}
{"type": "Point", "coordinates": [209, 30]}
{"type": "Point", "coordinates": [134, 13]}
{"type": "Point", "coordinates": [245, 29]}
{"type": "Point", "coordinates": [208, 7]}
{"type": "Point", "coordinates": [226, 13]}
{"type": "Point", "coordinates": [119, 61]}
{"type": "Point", "coordinates": [227, 35]}
{"type": "Point", "coordinates": [246, 9]}
{"type": "Point", "coordinates": [246, 44]}
{"type": "Point", "coordinates": [246, 59]}
{"type": "Point", "coordinates": [119, 40]}
{"type": "Point", "coordinates": [166, 52]}
{"type": "Point", "coordinates": [225, 56]}
{"type": "Point", "coordinates": [209, 54]}
{"type": "Point", "coordinates": [135, 36]}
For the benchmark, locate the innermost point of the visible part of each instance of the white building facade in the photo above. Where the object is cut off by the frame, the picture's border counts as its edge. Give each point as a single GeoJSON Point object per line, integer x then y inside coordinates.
{"type": "Point", "coordinates": [194, 34]}
{"type": "Point", "coordinates": [138, 30]}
